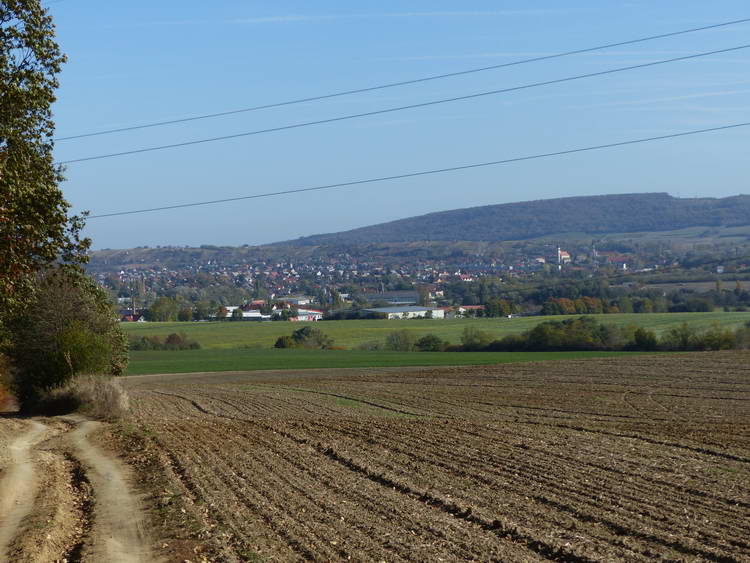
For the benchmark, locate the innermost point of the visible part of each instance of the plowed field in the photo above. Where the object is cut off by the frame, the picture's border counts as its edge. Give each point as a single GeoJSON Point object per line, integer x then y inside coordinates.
{"type": "Point", "coordinates": [637, 458]}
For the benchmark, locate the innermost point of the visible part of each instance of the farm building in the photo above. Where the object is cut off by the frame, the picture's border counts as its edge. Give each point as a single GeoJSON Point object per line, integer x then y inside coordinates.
{"type": "Point", "coordinates": [308, 315]}
{"type": "Point", "coordinates": [249, 314]}
{"type": "Point", "coordinates": [408, 312]}
{"type": "Point", "coordinates": [394, 298]}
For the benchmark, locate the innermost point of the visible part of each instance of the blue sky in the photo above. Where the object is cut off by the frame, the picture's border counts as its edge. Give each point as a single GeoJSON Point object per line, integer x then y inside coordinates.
{"type": "Point", "coordinates": [137, 62]}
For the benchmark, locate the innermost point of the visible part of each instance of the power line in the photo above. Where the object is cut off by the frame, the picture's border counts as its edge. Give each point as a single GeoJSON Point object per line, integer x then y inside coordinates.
{"type": "Point", "coordinates": [403, 82]}
{"type": "Point", "coordinates": [401, 108]}
{"type": "Point", "coordinates": [425, 172]}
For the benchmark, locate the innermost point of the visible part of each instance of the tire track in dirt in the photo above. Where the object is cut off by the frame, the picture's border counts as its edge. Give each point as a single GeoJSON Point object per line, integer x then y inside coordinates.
{"type": "Point", "coordinates": [118, 532]}
{"type": "Point", "coordinates": [18, 486]}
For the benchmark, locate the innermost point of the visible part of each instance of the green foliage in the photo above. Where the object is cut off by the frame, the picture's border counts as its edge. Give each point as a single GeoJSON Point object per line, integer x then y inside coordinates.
{"type": "Point", "coordinates": [400, 341]}
{"type": "Point", "coordinates": [305, 337]}
{"type": "Point", "coordinates": [693, 305]}
{"type": "Point", "coordinates": [164, 309]}
{"type": "Point", "coordinates": [173, 341]}
{"type": "Point", "coordinates": [237, 314]}
{"type": "Point", "coordinates": [81, 350]}
{"type": "Point", "coordinates": [431, 343]}
{"type": "Point", "coordinates": [742, 338]}
{"type": "Point", "coordinates": [498, 308]}
{"type": "Point", "coordinates": [35, 230]}
{"type": "Point", "coordinates": [583, 333]}
{"type": "Point", "coordinates": [202, 311]}
{"type": "Point", "coordinates": [644, 339]}
{"type": "Point", "coordinates": [285, 342]}
{"type": "Point", "coordinates": [68, 328]}
{"type": "Point", "coordinates": [586, 333]}
{"type": "Point", "coordinates": [285, 314]}
{"type": "Point", "coordinates": [474, 339]}
{"type": "Point", "coordinates": [682, 337]}
{"type": "Point", "coordinates": [718, 338]}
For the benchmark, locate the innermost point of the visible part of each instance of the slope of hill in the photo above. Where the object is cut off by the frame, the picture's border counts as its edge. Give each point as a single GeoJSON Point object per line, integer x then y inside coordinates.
{"type": "Point", "coordinates": [626, 213]}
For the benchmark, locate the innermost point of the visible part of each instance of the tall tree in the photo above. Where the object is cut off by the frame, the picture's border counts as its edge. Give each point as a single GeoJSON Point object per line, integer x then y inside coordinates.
{"type": "Point", "coordinates": [35, 228]}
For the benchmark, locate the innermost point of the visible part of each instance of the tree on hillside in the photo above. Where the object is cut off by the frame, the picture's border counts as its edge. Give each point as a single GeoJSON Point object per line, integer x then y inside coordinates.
{"type": "Point", "coordinates": [35, 229]}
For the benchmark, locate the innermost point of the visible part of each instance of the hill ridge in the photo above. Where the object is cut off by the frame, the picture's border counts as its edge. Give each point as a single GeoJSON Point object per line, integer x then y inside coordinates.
{"type": "Point", "coordinates": [613, 213]}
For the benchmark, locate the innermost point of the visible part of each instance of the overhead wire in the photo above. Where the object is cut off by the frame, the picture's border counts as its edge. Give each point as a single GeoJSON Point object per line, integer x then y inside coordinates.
{"type": "Point", "coordinates": [404, 82]}
{"type": "Point", "coordinates": [403, 108]}
{"type": "Point", "coordinates": [424, 172]}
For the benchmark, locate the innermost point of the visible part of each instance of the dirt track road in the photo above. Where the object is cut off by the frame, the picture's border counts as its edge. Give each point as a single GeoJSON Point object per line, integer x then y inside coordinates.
{"type": "Point", "coordinates": [64, 498]}
{"type": "Point", "coordinates": [18, 484]}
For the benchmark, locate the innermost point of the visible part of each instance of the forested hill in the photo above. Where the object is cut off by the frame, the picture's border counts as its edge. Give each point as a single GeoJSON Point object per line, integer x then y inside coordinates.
{"type": "Point", "coordinates": [626, 213]}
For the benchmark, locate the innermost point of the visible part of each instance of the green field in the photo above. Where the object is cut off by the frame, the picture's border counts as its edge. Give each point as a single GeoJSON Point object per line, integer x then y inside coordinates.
{"type": "Point", "coordinates": [143, 363]}
{"type": "Point", "coordinates": [349, 334]}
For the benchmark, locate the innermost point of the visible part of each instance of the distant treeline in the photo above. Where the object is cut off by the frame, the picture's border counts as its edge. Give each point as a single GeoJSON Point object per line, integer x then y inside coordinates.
{"type": "Point", "coordinates": [588, 297]}
{"type": "Point", "coordinates": [578, 334]}
{"type": "Point", "coordinates": [586, 333]}
{"type": "Point", "coordinates": [174, 341]}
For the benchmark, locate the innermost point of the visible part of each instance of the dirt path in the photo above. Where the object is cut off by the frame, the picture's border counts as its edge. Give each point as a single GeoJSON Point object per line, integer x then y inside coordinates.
{"type": "Point", "coordinates": [118, 532]}
{"type": "Point", "coordinates": [62, 498]}
{"type": "Point", "coordinates": [18, 486]}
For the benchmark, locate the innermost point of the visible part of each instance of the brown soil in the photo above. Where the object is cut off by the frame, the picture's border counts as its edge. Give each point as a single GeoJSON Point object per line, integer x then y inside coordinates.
{"type": "Point", "coordinates": [62, 498]}
{"type": "Point", "coordinates": [634, 458]}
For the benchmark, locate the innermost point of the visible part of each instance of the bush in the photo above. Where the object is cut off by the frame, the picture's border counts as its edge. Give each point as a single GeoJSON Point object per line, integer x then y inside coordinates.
{"type": "Point", "coordinates": [370, 346]}
{"type": "Point", "coordinates": [475, 339]}
{"type": "Point", "coordinates": [717, 338]}
{"type": "Point", "coordinates": [305, 337]}
{"type": "Point", "coordinates": [644, 339]}
{"type": "Point", "coordinates": [400, 341]}
{"type": "Point", "coordinates": [174, 341]}
{"type": "Point", "coordinates": [285, 342]}
{"type": "Point", "coordinates": [68, 328]}
{"type": "Point", "coordinates": [509, 343]}
{"type": "Point", "coordinates": [683, 337]}
{"type": "Point", "coordinates": [742, 339]}
{"type": "Point", "coordinates": [96, 396]}
{"type": "Point", "coordinates": [430, 343]}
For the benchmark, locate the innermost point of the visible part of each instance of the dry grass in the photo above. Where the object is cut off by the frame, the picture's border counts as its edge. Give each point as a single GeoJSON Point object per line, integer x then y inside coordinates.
{"type": "Point", "coordinates": [97, 396]}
